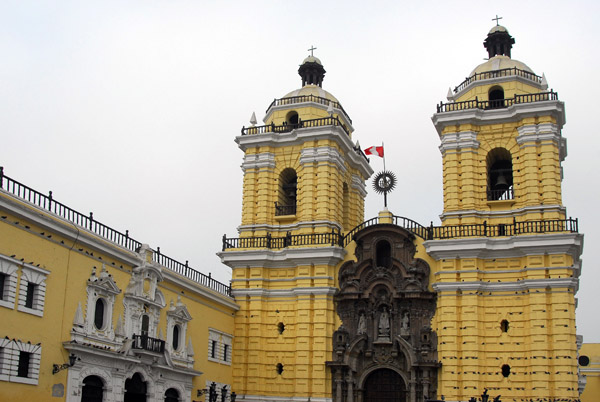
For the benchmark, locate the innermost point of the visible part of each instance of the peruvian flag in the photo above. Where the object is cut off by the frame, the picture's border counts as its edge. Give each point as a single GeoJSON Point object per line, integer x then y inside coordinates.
{"type": "Point", "coordinates": [375, 151]}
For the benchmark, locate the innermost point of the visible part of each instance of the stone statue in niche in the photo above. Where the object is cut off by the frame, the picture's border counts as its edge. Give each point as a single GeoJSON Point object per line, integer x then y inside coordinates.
{"type": "Point", "coordinates": [404, 329]}
{"type": "Point", "coordinates": [384, 325]}
{"type": "Point", "coordinates": [362, 324]}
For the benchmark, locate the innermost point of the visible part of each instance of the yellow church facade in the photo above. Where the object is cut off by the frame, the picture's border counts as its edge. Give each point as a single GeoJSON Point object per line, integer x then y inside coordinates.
{"type": "Point", "coordinates": [323, 305]}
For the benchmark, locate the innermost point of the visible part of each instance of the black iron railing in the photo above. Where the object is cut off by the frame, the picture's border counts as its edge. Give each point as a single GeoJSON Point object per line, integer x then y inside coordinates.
{"type": "Point", "coordinates": [291, 100]}
{"type": "Point", "coordinates": [332, 238]}
{"type": "Point", "coordinates": [47, 202]}
{"type": "Point", "coordinates": [285, 128]}
{"type": "Point", "coordinates": [498, 103]}
{"type": "Point", "coordinates": [425, 232]}
{"type": "Point", "coordinates": [500, 195]}
{"type": "Point", "coordinates": [282, 210]}
{"type": "Point", "coordinates": [505, 72]}
{"type": "Point", "coordinates": [145, 342]}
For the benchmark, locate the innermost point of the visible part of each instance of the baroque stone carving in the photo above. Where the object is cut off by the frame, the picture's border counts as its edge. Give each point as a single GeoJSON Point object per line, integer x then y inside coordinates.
{"type": "Point", "coordinates": [386, 308]}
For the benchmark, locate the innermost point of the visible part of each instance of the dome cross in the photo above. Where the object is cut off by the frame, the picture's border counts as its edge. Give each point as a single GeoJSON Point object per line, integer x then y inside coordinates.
{"type": "Point", "coordinates": [497, 19]}
{"type": "Point", "coordinates": [311, 50]}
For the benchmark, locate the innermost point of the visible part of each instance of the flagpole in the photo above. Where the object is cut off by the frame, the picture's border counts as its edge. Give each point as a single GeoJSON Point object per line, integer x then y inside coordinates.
{"type": "Point", "coordinates": [383, 155]}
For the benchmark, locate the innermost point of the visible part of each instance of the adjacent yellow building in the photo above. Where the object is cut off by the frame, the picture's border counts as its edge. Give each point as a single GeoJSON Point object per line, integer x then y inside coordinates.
{"type": "Point", "coordinates": [90, 314]}
{"type": "Point", "coordinates": [323, 305]}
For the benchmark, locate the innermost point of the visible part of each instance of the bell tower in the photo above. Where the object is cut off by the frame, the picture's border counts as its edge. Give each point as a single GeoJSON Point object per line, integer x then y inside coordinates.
{"type": "Point", "coordinates": [304, 187]}
{"type": "Point", "coordinates": [508, 258]}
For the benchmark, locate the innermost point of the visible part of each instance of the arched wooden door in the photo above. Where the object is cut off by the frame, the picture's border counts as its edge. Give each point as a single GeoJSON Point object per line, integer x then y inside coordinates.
{"type": "Point", "coordinates": [92, 390]}
{"type": "Point", "coordinates": [384, 385]}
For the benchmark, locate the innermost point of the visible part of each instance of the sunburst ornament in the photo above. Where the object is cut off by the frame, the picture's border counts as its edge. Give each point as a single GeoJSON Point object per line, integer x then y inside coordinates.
{"type": "Point", "coordinates": [383, 183]}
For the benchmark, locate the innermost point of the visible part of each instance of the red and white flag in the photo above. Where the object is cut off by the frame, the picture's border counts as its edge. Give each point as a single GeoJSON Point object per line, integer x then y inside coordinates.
{"type": "Point", "coordinates": [375, 151]}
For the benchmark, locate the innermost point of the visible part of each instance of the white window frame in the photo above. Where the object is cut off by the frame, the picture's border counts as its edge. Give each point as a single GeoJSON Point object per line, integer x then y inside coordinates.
{"type": "Point", "coordinates": [37, 276]}
{"type": "Point", "coordinates": [9, 361]}
{"type": "Point", "coordinates": [9, 268]}
{"type": "Point", "coordinates": [221, 338]}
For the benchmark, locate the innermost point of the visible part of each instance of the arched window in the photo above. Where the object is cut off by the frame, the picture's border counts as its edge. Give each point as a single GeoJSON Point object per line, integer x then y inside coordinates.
{"type": "Point", "coordinates": [135, 389]}
{"type": "Point", "coordinates": [99, 313]}
{"type": "Point", "coordinates": [496, 97]}
{"type": "Point", "coordinates": [292, 118]}
{"type": "Point", "coordinates": [176, 332]}
{"type": "Point", "coordinates": [288, 187]}
{"type": "Point", "coordinates": [171, 395]}
{"type": "Point", "coordinates": [383, 254]}
{"type": "Point", "coordinates": [499, 175]}
{"type": "Point", "coordinates": [92, 390]}
{"type": "Point", "coordinates": [145, 325]}
{"type": "Point", "coordinates": [346, 208]}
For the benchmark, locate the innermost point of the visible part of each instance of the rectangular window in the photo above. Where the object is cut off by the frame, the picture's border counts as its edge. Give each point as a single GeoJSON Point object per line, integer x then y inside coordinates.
{"type": "Point", "coordinates": [225, 352]}
{"type": "Point", "coordinates": [213, 349]}
{"type": "Point", "coordinates": [30, 294]}
{"type": "Point", "coordinates": [23, 369]}
{"type": "Point", "coordinates": [2, 285]}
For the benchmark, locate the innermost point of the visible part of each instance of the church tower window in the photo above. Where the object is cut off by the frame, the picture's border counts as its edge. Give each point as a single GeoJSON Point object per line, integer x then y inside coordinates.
{"type": "Point", "coordinates": [292, 118]}
{"type": "Point", "coordinates": [496, 97]}
{"type": "Point", "coordinates": [288, 189]}
{"type": "Point", "coordinates": [500, 175]}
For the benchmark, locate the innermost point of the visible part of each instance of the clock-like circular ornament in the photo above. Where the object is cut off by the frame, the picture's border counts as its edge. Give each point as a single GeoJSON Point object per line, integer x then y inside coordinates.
{"type": "Point", "coordinates": [384, 182]}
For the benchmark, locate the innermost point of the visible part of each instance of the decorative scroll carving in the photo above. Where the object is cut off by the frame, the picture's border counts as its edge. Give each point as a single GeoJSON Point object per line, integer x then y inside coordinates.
{"type": "Point", "coordinates": [386, 308]}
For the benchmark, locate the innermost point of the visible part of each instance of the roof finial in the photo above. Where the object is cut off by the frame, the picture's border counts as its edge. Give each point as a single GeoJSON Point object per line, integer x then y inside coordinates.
{"type": "Point", "coordinates": [497, 19]}
{"type": "Point", "coordinates": [311, 50]}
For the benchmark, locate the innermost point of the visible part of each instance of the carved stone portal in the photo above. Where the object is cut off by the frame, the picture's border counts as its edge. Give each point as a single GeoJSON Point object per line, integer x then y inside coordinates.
{"type": "Point", "coordinates": [385, 349]}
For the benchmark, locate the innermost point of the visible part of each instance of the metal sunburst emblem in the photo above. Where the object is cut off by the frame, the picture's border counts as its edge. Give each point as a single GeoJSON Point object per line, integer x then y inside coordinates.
{"type": "Point", "coordinates": [384, 182]}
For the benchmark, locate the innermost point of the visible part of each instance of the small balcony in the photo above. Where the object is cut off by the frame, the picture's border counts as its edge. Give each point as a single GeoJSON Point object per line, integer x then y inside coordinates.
{"type": "Point", "coordinates": [284, 210]}
{"type": "Point", "coordinates": [496, 103]}
{"type": "Point", "coordinates": [148, 344]}
{"type": "Point", "coordinates": [500, 195]}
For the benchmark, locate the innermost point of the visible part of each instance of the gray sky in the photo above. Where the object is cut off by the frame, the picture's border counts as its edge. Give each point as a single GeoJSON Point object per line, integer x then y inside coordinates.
{"type": "Point", "coordinates": [129, 109]}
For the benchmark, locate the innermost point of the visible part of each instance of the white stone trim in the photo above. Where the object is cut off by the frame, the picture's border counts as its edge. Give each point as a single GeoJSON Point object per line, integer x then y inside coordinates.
{"type": "Point", "coordinates": [265, 160]}
{"type": "Point", "coordinates": [512, 113]}
{"type": "Point", "coordinates": [322, 155]}
{"type": "Point", "coordinates": [359, 185]}
{"type": "Point", "coordinates": [293, 279]}
{"type": "Point", "coordinates": [303, 135]}
{"type": "Point", "coordinates": [36, 276]}
{"type": "Point", "coordinates": [9, 267]}
{"type": "Point", "coordinates": [458, 141]}
{"type": "Point", "coordinates": [509, 247]}
{"type": "Point", "coordinates": [472, 213]}
{"type": "Point", "coordinates": [221, 339]}
{"type": "Point", "coordinates": [263, 398]}
{"type": "Point", "coordinates": [101, 286]}
{"type": "Point", "coordinates": [9, 361]}
{"type": "Point", "coordinates": [290, 227]}
{"type": "Point", "coordinates": [526, 284]}
{"type": "Point", "coordinates": [284, 258]}
{"type": "Point", "coordinates": [536, 133]}
{"type": "Point", "coordinates": [295, 292]}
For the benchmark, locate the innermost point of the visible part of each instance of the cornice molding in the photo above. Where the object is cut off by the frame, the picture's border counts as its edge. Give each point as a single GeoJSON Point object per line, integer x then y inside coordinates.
{"type": "Point", "coordinates": [285, 258]}
{"type": "Point", "coordinates": [487, 215]}
{"type": "Point", "coordinates": [509, 247]}
{"type": "Point", "coordinates": [512, 113]}
{"type": "Point", "coordinates": [303, 135]}
{"type": "Point", "coordinates": [524, 285]}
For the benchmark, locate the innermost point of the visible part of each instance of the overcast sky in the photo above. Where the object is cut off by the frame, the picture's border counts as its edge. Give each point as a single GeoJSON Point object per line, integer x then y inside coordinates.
{"type": "Point", "coordinates": [129, 109]}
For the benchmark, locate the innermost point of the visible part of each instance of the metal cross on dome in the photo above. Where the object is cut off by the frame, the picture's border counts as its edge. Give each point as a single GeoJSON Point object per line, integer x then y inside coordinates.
{"type": "Point", "coordinates": [311, 50]}
{"type": "Point", "coordinates": [497, 19]}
